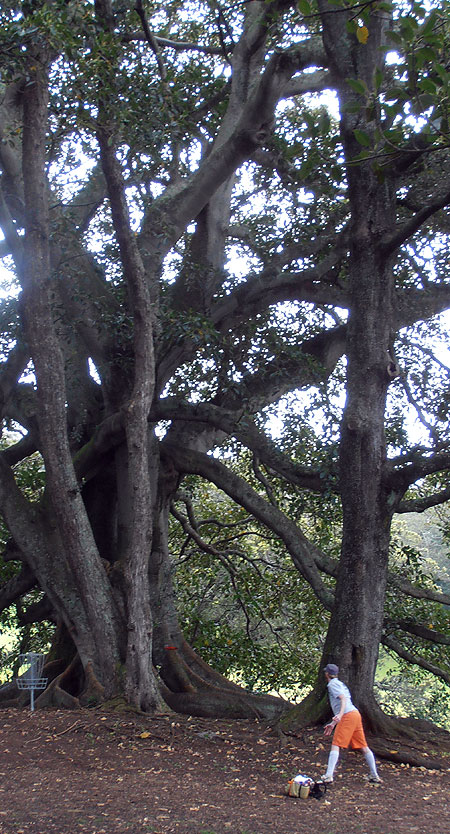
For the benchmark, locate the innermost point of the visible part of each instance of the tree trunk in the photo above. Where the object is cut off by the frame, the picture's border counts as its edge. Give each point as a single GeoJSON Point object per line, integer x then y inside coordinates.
{"type": "Point", "coordinates": [356, 621]}
{"type": "Point", "coordinates": [85, 577]}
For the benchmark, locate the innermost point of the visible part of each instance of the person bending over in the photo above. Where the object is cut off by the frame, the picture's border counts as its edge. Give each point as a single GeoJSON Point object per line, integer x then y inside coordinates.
{"type": "Point", "coordinates": [347, 725]}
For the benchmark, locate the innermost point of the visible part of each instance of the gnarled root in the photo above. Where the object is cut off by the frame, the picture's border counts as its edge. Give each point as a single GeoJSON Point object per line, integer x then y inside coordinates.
{"type": "Point", "coordinates": [190, 686]}
{"type": "Point", "coordinates": [57, 693]}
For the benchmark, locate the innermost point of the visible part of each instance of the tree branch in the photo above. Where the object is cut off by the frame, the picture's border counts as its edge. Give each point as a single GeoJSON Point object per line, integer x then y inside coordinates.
{"type": "Point", "coordinates": [414, 659]}
{"type": "Point", "coordinates": [419, 505]}
{"type": "Point", "coordinates": [405, 232]}
{"type": "Point", "coordinates": [314, 82]}
{"type": "Point", "coordinates": [243, 428]}
{"type": "Point", "coordinates": [300, 549]}
{"type": "Point", "coordinates": [201, 543]}
{"type": "Point", "coordinates": [11, 370]}
{"type": "Point", "coordinates": [177, 46]}
{"type": "Point", "coordinates": [151, 40]}
{"type": "Point", "coordinates": [404, 471]}
{"type": "Point", "coordinates": [16, 587]}
{"type": "Point", "coordinates": [182, 202]}
{"type": "Point", "coordinates": [36, 612]}
{"type": "Point", "coordinates": [411, 590]}
{"type": "Point", "coordinates": [420, 630]}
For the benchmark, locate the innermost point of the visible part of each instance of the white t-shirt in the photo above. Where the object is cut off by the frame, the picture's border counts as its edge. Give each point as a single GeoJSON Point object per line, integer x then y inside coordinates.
{"type": "Point", "coordinates": [335, 689]}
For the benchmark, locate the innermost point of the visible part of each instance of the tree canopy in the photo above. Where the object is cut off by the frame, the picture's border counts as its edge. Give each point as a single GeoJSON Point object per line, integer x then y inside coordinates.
{"type": "Point", "coordinates": [223, 219]}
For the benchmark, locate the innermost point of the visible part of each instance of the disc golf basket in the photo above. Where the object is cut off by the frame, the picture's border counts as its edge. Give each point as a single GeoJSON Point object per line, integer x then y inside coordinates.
{"type": "Point", "coordinates": [32, 664]}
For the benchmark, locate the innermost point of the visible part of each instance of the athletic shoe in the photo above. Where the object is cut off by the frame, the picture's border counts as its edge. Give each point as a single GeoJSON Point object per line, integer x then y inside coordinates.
{"type": "Point", "coordinates": [374, 780]}
{"type": "Point", "coordinates": [327, 780]}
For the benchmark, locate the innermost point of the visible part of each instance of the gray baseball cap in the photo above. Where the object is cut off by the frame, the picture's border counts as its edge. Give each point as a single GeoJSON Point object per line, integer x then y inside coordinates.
{"type": "Point", "coordinates": [331, 669]}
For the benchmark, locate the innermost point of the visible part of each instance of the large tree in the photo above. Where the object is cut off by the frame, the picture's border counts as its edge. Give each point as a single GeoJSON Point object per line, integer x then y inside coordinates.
{"type": "Point", "coordinates": [194, 237]}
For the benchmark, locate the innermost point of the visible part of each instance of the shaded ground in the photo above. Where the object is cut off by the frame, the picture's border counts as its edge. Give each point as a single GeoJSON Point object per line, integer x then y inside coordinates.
{"type": "Point", "coordinates": [98, 772]}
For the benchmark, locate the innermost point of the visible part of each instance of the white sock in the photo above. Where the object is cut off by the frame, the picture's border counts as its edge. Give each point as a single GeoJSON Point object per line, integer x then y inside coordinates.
{"type": "Point", "coordinates": [370, 759]}
{"type": "Point", "coordinates": [332, 762]}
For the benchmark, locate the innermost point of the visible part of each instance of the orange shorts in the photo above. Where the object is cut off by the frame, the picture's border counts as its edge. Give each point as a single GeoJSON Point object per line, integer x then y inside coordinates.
{"type": "Point", "coordinates": [350, 731]}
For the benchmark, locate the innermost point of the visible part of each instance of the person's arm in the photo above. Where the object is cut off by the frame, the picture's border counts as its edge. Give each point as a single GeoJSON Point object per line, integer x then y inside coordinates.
{"type": "Point", "coordinates": [336, 718]}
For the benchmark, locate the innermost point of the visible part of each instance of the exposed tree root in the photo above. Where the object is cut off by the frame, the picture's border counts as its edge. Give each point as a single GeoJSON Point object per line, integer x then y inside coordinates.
{"type": "Point", "coordinates": [190, 686]}
{"type": "Point", "coordinates": [58, 692]}
{"type": "Point", "coordinates": [210, 702]}
{"type": "Point", "coordinates": [431, 750]}
{"type": "Point", "coordinates": [94, 692]}
{"type": "Point", "coordinates": [414, 742]}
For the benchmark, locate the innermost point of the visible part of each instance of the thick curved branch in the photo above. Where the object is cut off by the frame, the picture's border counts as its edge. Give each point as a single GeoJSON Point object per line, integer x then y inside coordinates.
{"type": "Point", "coordinates": [87, 200]}
{"type": "Point", "coordinates": [402, 234]}
{"type": "Point", "coordinates": [327, 347]}
{"type": "Point", "coordinates": [411, 590]}
{"type": "Point", "coordinates": [36, 612]}
{"type": "Point", "coordinates": [422, 631]}
{"type": "Point", "coordinates": [10, 150]}
{"type": "Point", "coordinates": [22, 406]}
{"type": "Point", "coordinates": [316, 285]}
{"type": "Point", "coordinates": [11, 370]}
{"type": "Point", "coordinates": [288, 372]}
{"type": "Point", "coordinates": [414, 659]}
{"type": "Point", "coordinates": [16, 587]}
{"type": "Point", "coordinates": [314, 82]}
{"type": "Point", "coordinates": [20, 450]}
{"type": "Point", "coordinates": [300, 549]}
{"type": "Point", "coordinates": [13, 241]}
{"type": "Point", "coordinates": [183, 202]}
{"type": "Point", "coordinates": [244, 429]}
{"type": "Point", "coordinates": [405, 470]}
{"type": "Point", "coordinates": [419, 505]}
{"type": "Point", "coordinates": [417, 305]}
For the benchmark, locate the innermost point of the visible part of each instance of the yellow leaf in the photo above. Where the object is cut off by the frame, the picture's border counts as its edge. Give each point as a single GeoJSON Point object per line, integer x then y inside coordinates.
{"type": "Point", "coordinates": [145, 734]}
{"type": "Point", "coordinates": [362, 33]}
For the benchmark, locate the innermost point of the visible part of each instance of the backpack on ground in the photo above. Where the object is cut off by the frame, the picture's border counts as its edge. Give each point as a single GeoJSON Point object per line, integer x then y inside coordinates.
{"type": "Point", "coordinates": [301, 787]}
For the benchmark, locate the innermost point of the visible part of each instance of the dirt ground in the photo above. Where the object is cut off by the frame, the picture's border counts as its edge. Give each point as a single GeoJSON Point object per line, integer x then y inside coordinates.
{"type": "Point", "coordinates": [99, 772]}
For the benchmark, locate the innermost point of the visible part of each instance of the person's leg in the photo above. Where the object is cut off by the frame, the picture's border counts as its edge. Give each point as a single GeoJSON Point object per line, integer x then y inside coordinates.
{"type": "Point", "coordinates": [332, 762]}
{"type": "Point", "coordinates": [358, 742]}
{"type": "Point", "coordinates": [342, 735]}
{"type": "Point", "coordinates": [370, 759]}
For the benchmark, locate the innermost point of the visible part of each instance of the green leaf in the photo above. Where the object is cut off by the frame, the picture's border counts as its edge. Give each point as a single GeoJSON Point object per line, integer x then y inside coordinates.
{"type": "Point", "coordinates": [427, 85]}
{"type": "Point", "coordinates": [378, 79]}
{"type": "Point", "coordinates": [442, 73]}
{"type": "Point", "coordinates": [397, 94]}
{"type": "Point", "coordinates": [362, 138]}
{"type": "Point", "coordinates": [352, 107]}
{"type": "Point", "coordinates": [408, 27]}
{"type": "Point", "coordinates": [427, 28]}
{"type": "Point", "coordinates": [358, 86]}
{"type": "Point", "coordinates": [304, 7]}
{"type": "Point", "coordinates": [394, 37]}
